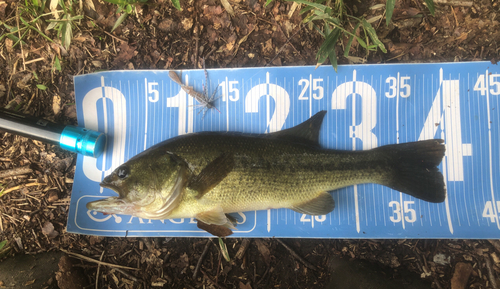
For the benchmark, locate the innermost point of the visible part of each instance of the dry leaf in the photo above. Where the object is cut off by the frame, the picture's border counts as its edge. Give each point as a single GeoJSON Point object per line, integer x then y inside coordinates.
{"type": "Point", "coordinates": [264, 251]}
{"type": "Point", "coordinates": [53, 8]}
{"type": "Point", "coordinates": [48, 229]}
{"type": "Point", "coordinates": [228, 7]}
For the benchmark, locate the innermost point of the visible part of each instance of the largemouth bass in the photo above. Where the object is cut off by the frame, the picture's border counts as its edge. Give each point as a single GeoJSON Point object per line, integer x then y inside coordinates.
{"type": "Point", "coordinates": [210, 174]}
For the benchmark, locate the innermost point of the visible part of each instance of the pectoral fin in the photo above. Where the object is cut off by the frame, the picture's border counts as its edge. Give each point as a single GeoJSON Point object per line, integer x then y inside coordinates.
{"type": "Point", "coordinates": [212, 174]}
{"type": "Point", "coordinates": [321, 205]}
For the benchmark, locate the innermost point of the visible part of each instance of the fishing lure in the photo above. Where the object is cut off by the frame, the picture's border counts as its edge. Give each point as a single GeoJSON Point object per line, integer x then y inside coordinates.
{"type": "Point", "coordinates": [203, 99]}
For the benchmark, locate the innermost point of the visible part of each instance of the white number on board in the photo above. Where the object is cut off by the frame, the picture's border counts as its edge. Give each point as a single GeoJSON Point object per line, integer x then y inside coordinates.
{"type": "Point", "coordinates": [482, 86]}
{"type": "Point", "coordinates": [397, 215]}
{"type": "Point", "coordinates": [311, 219]}
{"type": "Point", "coordinates": [230, 91]}
{"type": "Point", "coordinates": [151, 90]}
{"type": "Point", "coordinates": [404, 87]}
{"type": "Point", "coordinates": [489, 211]}
{"type": "Point", "coordinates": [318, 90]}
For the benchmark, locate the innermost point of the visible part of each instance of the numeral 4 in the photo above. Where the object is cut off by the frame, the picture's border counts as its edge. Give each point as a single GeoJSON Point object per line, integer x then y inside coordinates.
{"type": "Point", "coordinates": [489, 211]}
{"type": "Point", "coordinates": [482, 85]}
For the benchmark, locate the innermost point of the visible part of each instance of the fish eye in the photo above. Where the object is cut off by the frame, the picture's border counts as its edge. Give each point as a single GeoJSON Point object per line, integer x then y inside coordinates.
{"type": "Point", "coordinates": [123, 172]}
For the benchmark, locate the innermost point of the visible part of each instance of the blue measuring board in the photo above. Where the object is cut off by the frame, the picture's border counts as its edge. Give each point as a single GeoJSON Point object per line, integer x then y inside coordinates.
{"type": "Point", "coordinates": [367, 106]}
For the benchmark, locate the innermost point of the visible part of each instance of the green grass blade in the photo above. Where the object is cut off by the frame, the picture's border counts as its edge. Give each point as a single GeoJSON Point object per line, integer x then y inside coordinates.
{"type": "Point", "coordinates": [351, 38]}
{"type": "Point", "coordinates": [430, 5]}
{"type": "Point", "coordinates": [328, 45]}
{"type": "Point", "coordinates": [373, 35]}
{"type": "Point", "coordinates": [35, 29]}
{"type": "Point", "coordinates": [67, 35]}
{"type": "Point", "coordinates": [119, 21]}
{"type": "Point", "coordinates": [268, 2]}
{"type": "Point", "coordinates": [305, 9]}
{"type": "Point", "coordinates": [57, 64]}
{"type": "Point", "coordinates": [315, 5]}
{"type": "Point", "coordinates": [389, 9]}
{"type": "Point", "coordinates": [2, 244]}
{"type": "Point", "coordinates": [177, 4]}
{"type": "Point", "coordinates": [224, 251]}
{"type": "Point", "coordinates": [333, 59]}
{"type": "Point", "coordinates": [318, 30]}
{"type": "Point", "coordinates": [118, 2]}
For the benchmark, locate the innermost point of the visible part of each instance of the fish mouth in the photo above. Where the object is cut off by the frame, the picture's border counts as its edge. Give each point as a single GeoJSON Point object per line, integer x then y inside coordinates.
{"type": "Point", "coordinates": [112, 205]}
{"type": "Point", "coordinates": [111, 187]}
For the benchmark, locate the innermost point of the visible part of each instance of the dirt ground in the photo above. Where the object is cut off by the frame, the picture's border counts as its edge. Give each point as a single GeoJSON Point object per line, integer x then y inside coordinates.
{"type": "Point", "coordinates": [34, 211]}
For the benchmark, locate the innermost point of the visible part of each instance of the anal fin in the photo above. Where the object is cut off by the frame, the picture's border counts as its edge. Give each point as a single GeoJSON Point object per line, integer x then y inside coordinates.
{"type": "Point", "coordinates": [216, 230]}
{"type": "Point", "coordinates": [321, 205]}
{"type": "Point", "coordinates": [216, 222]}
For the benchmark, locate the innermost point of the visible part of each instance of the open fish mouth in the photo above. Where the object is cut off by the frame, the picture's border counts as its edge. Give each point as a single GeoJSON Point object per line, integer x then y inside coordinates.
{"type": "Point", "coordinates": [114, 188]}
{"type": "Point", "coordinates": [112, 205]}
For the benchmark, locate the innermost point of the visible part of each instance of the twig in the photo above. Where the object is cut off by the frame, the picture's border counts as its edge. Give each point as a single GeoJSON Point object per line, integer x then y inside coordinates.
{"type": "Point", "coordinates": [210, 279]}
{"type": "Point", "coordinates": [19, 187]}
{"type": "Point", "coordinates": [243, 248]}
{"type": "Point", "coordinates": [436, 282]}
{"type": "Point", "coordinates": [128, 275]}
{"type": "Point", "coordinates": [283, 47]}
{"type": "Point", "coordinates": [454, 2]}
{"type": "Point", "coordinates": [97, 273]}
{"type": "Point", "coordinates": [209, 53]}
{"type": "Point", "coordinates": [15, 172]}
{"type": "Point", "coordinates": [98, 262]}
{"type": "Point", "coordinates": [196, 32]}
{"type": "Point", "coordinates": [491, 275]}
{"type": "Point", "coordinates": [419, 7]}
{"type": "Point", "coordinates": [35, 60]}
{"type": "Point", "coordinates": [36, 239]}
{"type": "Point", "coordinates": [20, 37]}
{"type": "Point", "coordinates": [114, 37]}
{"type": "Point", "coordinates": [495, 244]}
{"type": "Point", "coordinates": [205, 250]}
{"type": "Point", "coordinates": [455, 15]}
{"type": "Point", "coordinates": [282, 32]}
{"type": "Point", "coordinates": [263, 276]}
{"type": "Point", "coordinates": [296, 256]}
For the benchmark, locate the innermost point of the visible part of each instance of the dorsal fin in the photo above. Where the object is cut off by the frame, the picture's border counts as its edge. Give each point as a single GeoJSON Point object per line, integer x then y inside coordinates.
{"type": "Point", "coordinates": [308, 131]}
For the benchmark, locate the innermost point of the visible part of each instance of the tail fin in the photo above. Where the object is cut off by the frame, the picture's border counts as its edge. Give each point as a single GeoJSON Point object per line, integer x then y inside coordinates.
{"type": "Point", "coordinates": [416, 171]}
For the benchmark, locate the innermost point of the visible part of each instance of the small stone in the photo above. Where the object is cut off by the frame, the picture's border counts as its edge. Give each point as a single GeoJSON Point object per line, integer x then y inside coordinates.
{"type": "Point", "coordinates": [461, 275]}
